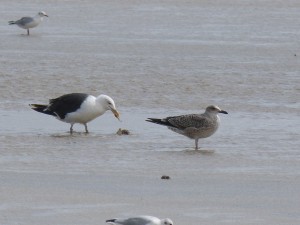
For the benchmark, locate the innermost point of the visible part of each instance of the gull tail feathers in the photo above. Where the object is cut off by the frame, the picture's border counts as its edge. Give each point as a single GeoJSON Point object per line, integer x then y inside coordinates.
{"type": "Point", "coordinates": [11, 22]}
{"type": "Point", "coordinates": [42, 109]}
{"type": "Point", "coordinates": [111, 221]}
{"type": "Point", "coordinates": [158, 121]}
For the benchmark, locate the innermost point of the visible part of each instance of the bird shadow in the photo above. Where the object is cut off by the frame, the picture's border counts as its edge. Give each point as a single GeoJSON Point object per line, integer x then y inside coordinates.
{"type": "Point", "coordinates": [90, 135]}
{"type": "Point", "coordinates": [75, 134]}
{"type": "Point", "coordinates": [199, 151]}
{"type": "Point", "coordinates": [68, 135]}
{"type": "Point", "coordinates": [31, 36]}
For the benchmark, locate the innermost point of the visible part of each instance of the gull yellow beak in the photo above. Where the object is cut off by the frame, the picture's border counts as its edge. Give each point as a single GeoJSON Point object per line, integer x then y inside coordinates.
{"type": "Point", "coordinates": [116, 113]}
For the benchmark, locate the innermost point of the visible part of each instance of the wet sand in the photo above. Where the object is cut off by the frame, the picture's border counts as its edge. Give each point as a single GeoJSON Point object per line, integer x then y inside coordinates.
{"type": "Point", "coordinates": [155, 59]}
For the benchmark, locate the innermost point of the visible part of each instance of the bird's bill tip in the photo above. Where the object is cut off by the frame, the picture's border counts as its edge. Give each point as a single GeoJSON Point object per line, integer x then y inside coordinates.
{"type": "Point", "coordinates": [224, 112]}
{"type": "Point", "coordinates": [116, 114]}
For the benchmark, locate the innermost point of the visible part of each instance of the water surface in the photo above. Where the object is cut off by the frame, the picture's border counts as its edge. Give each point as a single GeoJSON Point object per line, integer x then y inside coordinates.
{"type": "Point", "coordinates": [155, 59]}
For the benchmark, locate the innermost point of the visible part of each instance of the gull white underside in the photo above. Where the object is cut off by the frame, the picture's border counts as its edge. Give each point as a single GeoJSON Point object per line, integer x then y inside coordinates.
{"type": "Point", "coordinates": [88, 111]}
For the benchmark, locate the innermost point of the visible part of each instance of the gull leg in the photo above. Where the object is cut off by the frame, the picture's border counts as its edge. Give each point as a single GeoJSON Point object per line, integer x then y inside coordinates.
{"type": "Point", "coordinates": [28, 32]}
{"type": "Point", "coordinates": [71, 129]}
{"type": "Point", "coordinates": [86, 129]}
{"type": "Point", "coordinates": [196, 144]}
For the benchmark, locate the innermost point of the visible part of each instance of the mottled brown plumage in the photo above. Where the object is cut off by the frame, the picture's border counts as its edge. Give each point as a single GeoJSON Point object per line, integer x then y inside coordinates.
{"type": "Point", "coordinates": [194, 126]}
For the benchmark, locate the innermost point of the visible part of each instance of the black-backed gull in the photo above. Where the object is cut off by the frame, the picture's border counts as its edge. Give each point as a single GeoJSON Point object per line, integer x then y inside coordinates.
{"type": "Point", "coordinates": [77, 108]}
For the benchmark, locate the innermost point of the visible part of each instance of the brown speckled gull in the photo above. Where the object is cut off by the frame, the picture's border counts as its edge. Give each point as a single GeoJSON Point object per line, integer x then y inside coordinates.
{"type": "Point", "coordinates": [194, 126]}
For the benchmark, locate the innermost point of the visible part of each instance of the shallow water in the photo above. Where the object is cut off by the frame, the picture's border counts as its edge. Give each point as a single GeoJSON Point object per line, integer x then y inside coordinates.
{"type": "Point", "coordinates": [155, 59]}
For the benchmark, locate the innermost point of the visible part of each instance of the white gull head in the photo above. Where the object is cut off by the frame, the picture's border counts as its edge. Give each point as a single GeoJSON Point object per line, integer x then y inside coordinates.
{"type": "Point", "coordinates": [167, 221]}
{"type": "Point", "coordinates": [108, 104]}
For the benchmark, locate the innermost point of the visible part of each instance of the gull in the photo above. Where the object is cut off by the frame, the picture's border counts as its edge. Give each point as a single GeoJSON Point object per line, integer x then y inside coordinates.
{"type": "Point", "coordinates": [140, 220]}
{"type": "Point", "coordinates": [29, 22]}
{"type": "Point", "coordinates": [77, 108]}
{"type": "Point", "coordinates": [194, 126]}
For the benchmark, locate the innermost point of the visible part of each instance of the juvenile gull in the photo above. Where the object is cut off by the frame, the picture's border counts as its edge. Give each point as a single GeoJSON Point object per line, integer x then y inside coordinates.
{"type": "Point", "coordinates": [140, 220]}
{"type": "Point", "coordinates": [29, 22]}
{"type": "Point", "coordinates": [77, 108]}
{"type": "Point", "coordinates": [194, 126]}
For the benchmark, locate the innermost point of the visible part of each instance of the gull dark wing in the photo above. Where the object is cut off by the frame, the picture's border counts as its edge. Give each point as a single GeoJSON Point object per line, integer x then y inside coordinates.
{"type": "Point", "coordinates": [66, 104]}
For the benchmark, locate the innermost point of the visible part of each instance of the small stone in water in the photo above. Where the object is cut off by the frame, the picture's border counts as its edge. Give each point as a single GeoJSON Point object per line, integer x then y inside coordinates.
{"type": "Point", "coordinates": [165, 177]}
